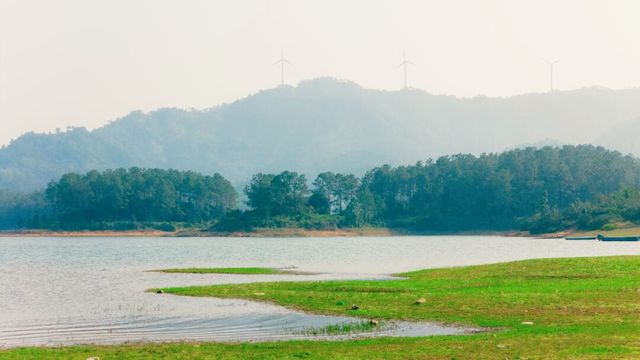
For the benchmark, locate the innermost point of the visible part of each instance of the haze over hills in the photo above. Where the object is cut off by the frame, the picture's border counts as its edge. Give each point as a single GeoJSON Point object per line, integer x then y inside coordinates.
{"type": "Point", "coordinates": [622, 137]}
{"type": "Point", "coordinates": [321, 125]}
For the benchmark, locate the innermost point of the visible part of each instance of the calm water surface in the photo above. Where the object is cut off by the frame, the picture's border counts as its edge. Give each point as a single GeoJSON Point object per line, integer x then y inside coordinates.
{"type": "Point", "coordinates": [77, 290]}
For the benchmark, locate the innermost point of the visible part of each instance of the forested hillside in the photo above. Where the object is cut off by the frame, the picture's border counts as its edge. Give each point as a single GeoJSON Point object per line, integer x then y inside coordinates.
{"type": "Point", "coordinates": [320, 125]}
{"type": "Point", "coordinates": [540, 190]}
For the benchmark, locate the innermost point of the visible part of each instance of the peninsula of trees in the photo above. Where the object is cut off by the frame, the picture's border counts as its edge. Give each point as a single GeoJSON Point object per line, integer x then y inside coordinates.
{"type": "Point", "coordinates": [539, 190]}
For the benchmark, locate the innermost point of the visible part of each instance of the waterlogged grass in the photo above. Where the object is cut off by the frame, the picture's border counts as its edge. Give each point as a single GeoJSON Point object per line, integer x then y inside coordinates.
{"type": "Point", "coordinates": [358, 327]}
{"type": "Point", "coordinates": [238, 270]}
{"type": "Point", "coordinates": [541, 309]}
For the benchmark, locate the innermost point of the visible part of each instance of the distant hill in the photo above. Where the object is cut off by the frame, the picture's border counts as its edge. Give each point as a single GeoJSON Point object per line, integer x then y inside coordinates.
{"type": "Point", "coordinates": [624, 137]}
{"type": "Point", "coordinates": [321, 124]}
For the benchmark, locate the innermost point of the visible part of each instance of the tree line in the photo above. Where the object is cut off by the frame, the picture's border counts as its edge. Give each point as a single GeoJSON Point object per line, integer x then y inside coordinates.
{"type": "Point", "coordinates": [123, 198]}
{"type": "Point", "coordinates": [539, 190]}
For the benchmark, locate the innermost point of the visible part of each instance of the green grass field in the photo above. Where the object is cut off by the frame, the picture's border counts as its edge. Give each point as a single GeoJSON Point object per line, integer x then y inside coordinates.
{"type": "Point", "coordinates": [538, 309]}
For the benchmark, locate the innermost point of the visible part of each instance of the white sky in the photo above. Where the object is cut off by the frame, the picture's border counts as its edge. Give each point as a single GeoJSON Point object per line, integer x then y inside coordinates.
{"type": "Point", "coordinates": [85, 62]}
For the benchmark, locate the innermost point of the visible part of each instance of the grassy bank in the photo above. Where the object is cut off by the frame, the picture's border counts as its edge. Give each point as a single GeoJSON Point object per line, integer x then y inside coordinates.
{"type": "Point", "coordinates": [541, 309]}
{"type": "Point", "coordinates": [621, 230]}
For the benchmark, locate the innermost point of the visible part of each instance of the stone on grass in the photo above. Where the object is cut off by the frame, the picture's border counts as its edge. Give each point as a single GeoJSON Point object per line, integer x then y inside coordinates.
{"type": "Point", "coordinates": [420, 301]}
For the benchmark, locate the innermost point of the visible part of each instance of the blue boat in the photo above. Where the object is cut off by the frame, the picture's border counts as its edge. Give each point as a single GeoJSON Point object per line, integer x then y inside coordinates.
{"type": "Point", "coordinates": [618, 238]}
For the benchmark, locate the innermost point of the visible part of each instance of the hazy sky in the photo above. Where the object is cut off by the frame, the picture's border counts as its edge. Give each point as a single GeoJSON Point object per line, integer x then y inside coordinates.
{"type": "Point", "coordinates": [83, 62]}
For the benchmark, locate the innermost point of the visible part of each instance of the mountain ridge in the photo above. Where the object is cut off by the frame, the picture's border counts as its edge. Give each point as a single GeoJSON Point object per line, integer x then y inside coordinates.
{"type": "Point", "coordinates": [319, 125]}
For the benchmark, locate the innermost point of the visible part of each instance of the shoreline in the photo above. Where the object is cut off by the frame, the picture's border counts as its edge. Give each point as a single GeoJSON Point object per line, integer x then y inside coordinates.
{"type": "Point", "coordinates": [624, 230]}
{"type": "Point", "coordinates": [258, 233]}
{"type": "Point", "coordinates": [85, 233]}
{"type": "Point", "coordinates": [290, 232]}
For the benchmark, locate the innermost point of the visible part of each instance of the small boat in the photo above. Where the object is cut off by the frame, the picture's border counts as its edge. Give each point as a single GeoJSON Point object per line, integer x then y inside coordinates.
{"type": "Point", "coordinates": [618, 238]}
{"type": "Point", "coordinates": [592, 237]}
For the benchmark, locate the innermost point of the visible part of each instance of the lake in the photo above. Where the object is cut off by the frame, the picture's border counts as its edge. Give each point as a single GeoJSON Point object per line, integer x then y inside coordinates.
{"type": "Point", "coordinates": [92, 290]}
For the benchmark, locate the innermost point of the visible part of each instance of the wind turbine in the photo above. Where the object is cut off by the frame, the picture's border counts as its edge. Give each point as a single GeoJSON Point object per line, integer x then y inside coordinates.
{"type": "Point", "coordinates": [551, 64]}
{"type": "Point", "coordinates": [282, 62]}
{"type": "Point", "coordinates": [404, 64]}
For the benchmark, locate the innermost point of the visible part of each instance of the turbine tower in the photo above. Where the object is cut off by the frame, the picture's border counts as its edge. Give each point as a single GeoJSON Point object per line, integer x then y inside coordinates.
{"type": "Point", "coordinates": [282, 62]}
{"type": "Point", "coordinates": [404, 64]}
{"type": "Point", "coordinates": [551, 64]}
